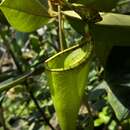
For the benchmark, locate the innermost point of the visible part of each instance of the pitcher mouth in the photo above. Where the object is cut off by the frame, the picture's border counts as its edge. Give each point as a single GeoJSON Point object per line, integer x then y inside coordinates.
{"type": "Point", "coordinates": [85, 48]}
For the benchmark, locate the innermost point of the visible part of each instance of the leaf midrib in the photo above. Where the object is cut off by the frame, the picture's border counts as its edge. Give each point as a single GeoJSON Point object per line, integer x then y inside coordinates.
{"type": "Point", "coordinates": [22, 11]}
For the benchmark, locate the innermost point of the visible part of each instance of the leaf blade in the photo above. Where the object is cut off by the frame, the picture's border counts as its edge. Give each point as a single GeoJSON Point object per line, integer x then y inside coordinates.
{"type": "Point", "coordinates": [25, 16]}
{"type": "Point", "coordinates": [7, 84]}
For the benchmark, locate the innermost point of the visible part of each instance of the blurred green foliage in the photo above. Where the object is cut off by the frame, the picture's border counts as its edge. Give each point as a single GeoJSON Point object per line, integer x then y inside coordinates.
{"type": "Point", "coordinates": [28, 105]}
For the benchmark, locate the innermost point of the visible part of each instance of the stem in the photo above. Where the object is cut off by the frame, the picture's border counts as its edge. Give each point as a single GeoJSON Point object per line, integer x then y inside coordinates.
{"type": "Point", "coordinates": [2, 119]}
{"type": "Point", "coordinates": [11, 52]}
{"type": "Point", "coordinates": [60, 26]}
{"type": "Point", "coordinates": [88, 108]}
{"type": "Point", "coordinates": [85, 101]}
{"type": "Point", "coordinates": [31, 94]}
{"type": "Point", "coordinates": [40, 110]}
{"type": "Point", "coordinates": [61, 37]}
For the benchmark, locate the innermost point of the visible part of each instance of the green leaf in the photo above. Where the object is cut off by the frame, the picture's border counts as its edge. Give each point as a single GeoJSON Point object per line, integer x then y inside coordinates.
{"type": "Point", "coordinates": [5, 85]}
{"type": "Point", "coordinates": [114, 30]}
{"type": "Point", "coordinates": [25, 15]}
{"type": "Point", "coordinates": [113, 19]}
{"type": "Point", "coordinates": [35, 43]}
{"type": "Point", "coordinates": [116, 26]}
{"type": "Point", "coordinates": [7, 75]}
{"type": "Point", "coordinates": [74, 22]}
{"type": "Point", "coordinates": [120, 110]}
{"type": "Point", "coordinates": [100, 5]}
{"type": "Point", "coordinates": [117, 74]}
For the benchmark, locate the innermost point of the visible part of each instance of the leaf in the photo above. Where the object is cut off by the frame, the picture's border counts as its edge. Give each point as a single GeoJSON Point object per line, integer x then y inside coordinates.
{"type": "Point", "coordinates": [100, 5]}
{"type": "Point", "coordinates": [116, 26]}
{"type": "Point", "coordinates": [7, 75]}
{"type": "Point", "coordinates": [117, 74]}
{"type": "Point", "coordinates": [74, 22]}
{"type": "Point", "coordinates": [25, 15]}
{"type": "Point", "coordinates": [35, 43]}
{"type": "Point", "coordinates": [113, 19]}
{"type": "Point", "coordinates": [120, 110]}
{"type": "Point", "coordinates": [114, 30]}
{"type": "Point", "coordinates": [44, 2]}
{"type": "Point", "coordinates": [5, 85]}
{"type": "Point", "coordinates": [21, 38]}
{"type": "Point", "coordinates": [72, 14]}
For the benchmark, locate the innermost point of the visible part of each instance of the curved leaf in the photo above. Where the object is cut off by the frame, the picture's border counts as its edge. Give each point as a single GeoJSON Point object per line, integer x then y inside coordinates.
{"type": "Point", "coordinates": [114, 19]}
{"type": "Point", "coordinates": [117, 73]}
{"type": "Point", "coordinates": [101, 5]}
{"type": "Point", "coordinates": [11, 82]}
{"type": "Point", "coordinates": [25, 15]}
{"type": "Point", "coordinates": [121, 111]}
{"type": "Point", "coordinates": [113, 30]}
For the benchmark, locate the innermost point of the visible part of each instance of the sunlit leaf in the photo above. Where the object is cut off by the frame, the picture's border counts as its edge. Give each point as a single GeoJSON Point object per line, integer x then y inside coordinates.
{"type": "Point", "coordinates": [25, 15]}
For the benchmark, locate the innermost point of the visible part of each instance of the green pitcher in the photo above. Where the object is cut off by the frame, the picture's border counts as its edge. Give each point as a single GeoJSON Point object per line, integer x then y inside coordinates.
{"type": "Point", "coordinates": [67, 73]}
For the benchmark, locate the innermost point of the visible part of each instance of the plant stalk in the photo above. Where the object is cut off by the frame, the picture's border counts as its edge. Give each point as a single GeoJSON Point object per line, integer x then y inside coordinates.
{"type": "Point", "coordinates": [40, 110]}
{"type": "Point", "coordinates": [2, 119]}
{"type": "Point", "coordinates": [62, 43]}
{"type": "Point", "coordinates": [31, 94]}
